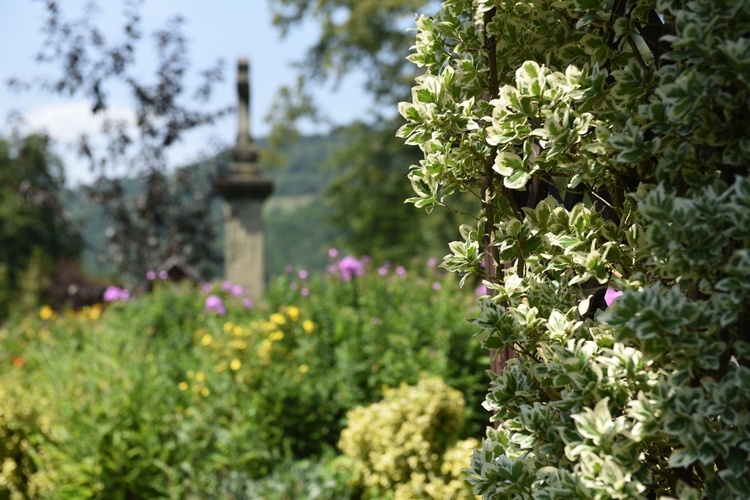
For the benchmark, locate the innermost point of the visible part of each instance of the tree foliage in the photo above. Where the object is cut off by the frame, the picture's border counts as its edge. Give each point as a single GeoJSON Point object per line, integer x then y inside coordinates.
{"type": "Point", "coordinates": [91, 64]}
{"type": "Point", "coordinates": [362, 34]}
{"type": "Point", "coordinates": [35, 230]}
{"type": "Point", "coordinates": [367, 198]}
{"type": "Point", "coordinates": [607, 142]}
{"type": "Point", "coordinates": [366, 194]}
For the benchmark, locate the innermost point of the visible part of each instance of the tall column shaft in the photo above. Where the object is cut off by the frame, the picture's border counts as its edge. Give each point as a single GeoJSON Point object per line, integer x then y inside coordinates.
{"type": "Point", "coordinates": [244, 245]}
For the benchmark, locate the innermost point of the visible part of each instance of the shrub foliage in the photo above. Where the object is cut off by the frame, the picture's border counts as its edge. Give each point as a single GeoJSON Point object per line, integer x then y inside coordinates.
{"type": "Point", "coordinates": [405, 445]}
{"type": "Point", "coordinates": [607, 141]}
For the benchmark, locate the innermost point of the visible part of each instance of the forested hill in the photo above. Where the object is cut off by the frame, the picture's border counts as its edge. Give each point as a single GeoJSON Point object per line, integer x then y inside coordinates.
{"type": "Point", "coordinates": [296, 224]}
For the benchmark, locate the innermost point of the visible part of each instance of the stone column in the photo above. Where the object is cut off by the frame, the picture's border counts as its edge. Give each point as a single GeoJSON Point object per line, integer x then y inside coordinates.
{"type": "Point", "coordinates": [244, 191]}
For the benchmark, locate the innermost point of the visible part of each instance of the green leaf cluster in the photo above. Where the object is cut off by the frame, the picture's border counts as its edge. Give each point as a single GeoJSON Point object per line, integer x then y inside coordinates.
{"type": "Point", "coordinates": [606, 141]}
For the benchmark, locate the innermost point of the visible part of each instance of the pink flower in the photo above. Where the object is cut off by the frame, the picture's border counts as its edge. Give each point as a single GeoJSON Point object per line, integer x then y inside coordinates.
{"type": "Point", "coordinates": [431, 262]}
{"type": "Point", "coordinates": [111, 294]}
{"type": "Point", "coordinates": [350, 267]}
{"type": "Point", "coordinates": [304, 292]}
{"type": "Point", "coordinates": [382, 270]}
{"type": "Point", "coordinates": [237, 290]}
{"type": "Point", "coordinates": [214, 303]}
{"type": "Point", "coordinates": [151, 275]}
{"type": "Point", "coordinates": [302, 274]}
{"type": "Point", "coordinates": [480, 290]}
{"type": "Point", "coordinates": [248, 303]}
{"type": "Point", "coordinates": [115, 293]}
{"type": "Point", "coordinates": [401, 271]}
{"type": "Point", "coordinates": [163, 275]}
{"type": "Point", "coordinates": [436, 286]}
{"type": "Point", "coordinates": [333, 253]}
{"type": "Point", "coordinates": [611, 295]}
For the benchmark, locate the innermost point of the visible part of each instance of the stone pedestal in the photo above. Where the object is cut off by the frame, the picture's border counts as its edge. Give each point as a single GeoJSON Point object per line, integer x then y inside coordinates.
{"type": "Point", "coordinates": [244, 245]}
{"type": "Point", "coordinates": [244, 191]}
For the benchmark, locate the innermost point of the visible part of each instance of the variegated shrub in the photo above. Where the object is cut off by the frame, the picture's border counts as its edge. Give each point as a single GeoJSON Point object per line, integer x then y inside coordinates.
{"type": "Point", "coordinates": [609, 143]}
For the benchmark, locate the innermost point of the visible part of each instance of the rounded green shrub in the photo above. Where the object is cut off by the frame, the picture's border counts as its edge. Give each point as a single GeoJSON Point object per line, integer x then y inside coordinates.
{"type": "Point", "coordinates": [405, 445]}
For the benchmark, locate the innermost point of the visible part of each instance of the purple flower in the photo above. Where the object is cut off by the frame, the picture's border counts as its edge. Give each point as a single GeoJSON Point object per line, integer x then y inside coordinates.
{"type": "Point", "coordinates": [111, 294]}
{"type": "Point", "coordinates": [333, 253]}
{"type": "Point", "coordinates": [226, 285]}
{"type": "Point", "coordinates": [302, 274]}
{"type": "Point", "coordinates": [431, 262]}
{"type": "Point", "coordinates": [304, 292]}
{"type": "Point", "coordinates": [382, 270]}
{"type": "Point", "coordinates": [214, 303]}
{"type": "Point", "coordinates": [248, 303]}
{"type": "Point", "coordinates": [115, 293]}
{"type": "Point", "coordinates": [163, 275]}
{"type": "Point", "coordinates": [436, 286]}
{"type": "Point", "coordinates": [480, 290]}
{"type": "Point", "coordinates": [611, 295]}
{"type": "Point", "coordinates": [151, 275]}
{"type": "Point", "coordinates": [401, 271]}
{"type": "Point", "coordinates": [350, 267]}
{"type": "Point", "coordinates": [237, 290]}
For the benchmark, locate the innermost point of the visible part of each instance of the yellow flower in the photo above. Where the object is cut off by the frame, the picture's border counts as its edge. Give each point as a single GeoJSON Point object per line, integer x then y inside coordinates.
{"type": "Point", "coordinates": [183, 386]}
{"type": "Point", "coordinates": [303, 368]}
{"type": "Point", "coordinates": [308, 326]}
{"type": "Point", "coordinates": [268, 326]}
{"type": "Point", "coordinates": [293, 313]}
{"type": "Point", "coordinates": [220, 367]}
{"type": "Point", "coordinates": [277, 335]}
{"type": "Point", "coordinates": [228, 327]}
{"type": "Point", "coordinates": [235, 364]}
{"type": "Point", "coordinates": [239, 344]}
{"type": "Point", "coordinates": [95, 312]}
{"type": "Point", "coordinates": [278, 319]}
{"type": "Point", "coordinates": [46, 312]}
{"type": "Point", "coordinates": [205, 392]}
{"type": "Point", "coordinates": [200, 377]}
{"type": "Point", "coordinates": [207, 339]}
{"type": "Point", "coordinates": [237, 331]}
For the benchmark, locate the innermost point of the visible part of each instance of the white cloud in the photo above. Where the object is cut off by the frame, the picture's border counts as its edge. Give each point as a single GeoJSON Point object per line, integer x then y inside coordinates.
{"type": "Point", "coordinates": [67, 120]}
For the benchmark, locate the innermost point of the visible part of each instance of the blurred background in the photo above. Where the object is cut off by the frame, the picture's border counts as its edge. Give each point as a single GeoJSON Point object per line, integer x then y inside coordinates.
{"type": "Point", "coordinates": [128, 109]}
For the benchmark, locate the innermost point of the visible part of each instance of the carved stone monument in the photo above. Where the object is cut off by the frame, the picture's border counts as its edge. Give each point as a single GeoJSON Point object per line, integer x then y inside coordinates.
{"type": "Point", "coordinates": [244, 190]}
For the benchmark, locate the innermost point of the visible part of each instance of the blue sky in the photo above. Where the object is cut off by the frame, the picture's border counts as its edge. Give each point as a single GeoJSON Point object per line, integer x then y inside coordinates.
{"type": "Point", "coordinates": [216, 29]}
